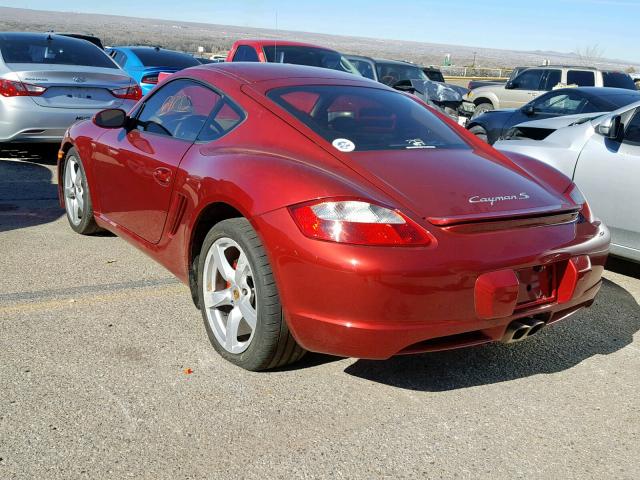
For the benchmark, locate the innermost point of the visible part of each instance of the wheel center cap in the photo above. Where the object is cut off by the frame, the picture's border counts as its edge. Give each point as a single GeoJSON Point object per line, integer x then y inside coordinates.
{"type": "Point", "coordinates": [236, 294]}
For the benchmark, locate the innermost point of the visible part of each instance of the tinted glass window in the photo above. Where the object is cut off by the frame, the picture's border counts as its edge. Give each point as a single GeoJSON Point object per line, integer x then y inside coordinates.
{"type": "Point", "coordinates": [369, 118]}
{"type": "Point", "coordinates": [120, 58]}
{"type": "Point", "coordinates": [392, 73]}
{"type": "Point", "coordinates": [179, 109]}
{"type": "Point", "coordinates": [632, 132]}
{"type": "Point", "coordinates": [562, 104]}
{"type": "Point", "coordinates": [582, 78]}
{"type": "Point", "coordinates": [617, 80]}
{"type": "Point", "coordinates": [552, 78]}
{"type": "Point", "coordinates": [52, 50]}
{"type": "Point", "coordinates": [150, 57]}
{"type": "Point", "coordinates": [224, 117]}
{"type": "Point", "coordinates": [245, 53]}
{"type": "Point", "coordinates": [365, 68]}
{"type": "Point", "coordinates": [311, 56]}
{"type": "Point", "coordinates": [614, 102]}
{"type": "Point", "coordinates": [528, 80]}
{"type": "Point", "coordinates": [434, 75]}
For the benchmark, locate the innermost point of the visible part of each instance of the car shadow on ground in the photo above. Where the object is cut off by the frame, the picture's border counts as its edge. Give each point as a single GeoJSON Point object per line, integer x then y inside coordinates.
{"type": "Point", "coordinates": [605, 328]}
{"type": "Point", "coordinates": [28, 196]}
{"type": "Point", "coordinates": [623, 267]}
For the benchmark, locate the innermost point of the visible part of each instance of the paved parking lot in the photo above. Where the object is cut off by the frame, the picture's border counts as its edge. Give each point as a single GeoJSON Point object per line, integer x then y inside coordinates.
{"type": "Point", "coordinates": [96, 342]}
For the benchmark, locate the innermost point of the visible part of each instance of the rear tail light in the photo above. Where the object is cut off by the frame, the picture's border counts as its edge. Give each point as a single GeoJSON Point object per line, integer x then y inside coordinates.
{"type": "Point", "coordinates": [574, 195]}
{"type": "Point", "coordinates": [128, 93]}
{"type": "Point", "coordinates": [152, 79]}
{"type": "Point", "coordinates": [359, 223]}
{"type": "Point", "coordinates": [9, 88]}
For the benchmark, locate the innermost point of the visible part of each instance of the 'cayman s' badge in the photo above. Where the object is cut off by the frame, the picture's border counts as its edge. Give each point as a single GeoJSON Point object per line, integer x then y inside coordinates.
{"type": "Point", "coordinates": [79, 79]}
{"type": "Point", "coordinates": [500, 198]}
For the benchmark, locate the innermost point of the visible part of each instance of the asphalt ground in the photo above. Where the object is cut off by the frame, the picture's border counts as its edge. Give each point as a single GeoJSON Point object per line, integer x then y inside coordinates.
{"type": "Point", "coordinates": [106, 372]}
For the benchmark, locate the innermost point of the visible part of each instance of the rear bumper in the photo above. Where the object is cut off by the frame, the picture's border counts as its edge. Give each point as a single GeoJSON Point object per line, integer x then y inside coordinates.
{"type": "Point", "coordinates": [23, 121]}
{"type": "Point", "coordinates": [371, 302]}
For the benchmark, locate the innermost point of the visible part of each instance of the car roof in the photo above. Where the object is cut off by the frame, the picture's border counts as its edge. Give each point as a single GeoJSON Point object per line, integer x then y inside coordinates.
{"type": "Point", "coordinates": [360, 57]}
{"type": "Point", "coordinates": [253, 72]}
{"type": "Point", "coordinates": [281, 43]}
{"type": "Point", "coordinates": [133, 48]}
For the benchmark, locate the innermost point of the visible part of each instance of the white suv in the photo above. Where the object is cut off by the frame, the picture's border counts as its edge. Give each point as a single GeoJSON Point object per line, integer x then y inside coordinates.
{"type": "Point", "coordinates": [534, 81]}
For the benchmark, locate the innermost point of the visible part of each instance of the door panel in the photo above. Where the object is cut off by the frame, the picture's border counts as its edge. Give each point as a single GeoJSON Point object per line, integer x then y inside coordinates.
{"type": "Point", "coordinates": [136, 167]}
{"type": "Point", "coordinates": [608, 173]}
{"type": "Point", "coordinates": [136, 172]}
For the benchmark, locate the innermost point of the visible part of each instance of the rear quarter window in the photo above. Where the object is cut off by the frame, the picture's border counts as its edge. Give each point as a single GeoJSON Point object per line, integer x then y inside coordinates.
{"type": "Point", "coordinates": [618, 80]}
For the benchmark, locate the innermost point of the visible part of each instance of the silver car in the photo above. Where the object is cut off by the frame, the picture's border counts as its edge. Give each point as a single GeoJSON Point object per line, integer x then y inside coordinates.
{"type": "Point", "coordinates": [48, 82]}
{"type": "Point", "coordinates": [602, 156]}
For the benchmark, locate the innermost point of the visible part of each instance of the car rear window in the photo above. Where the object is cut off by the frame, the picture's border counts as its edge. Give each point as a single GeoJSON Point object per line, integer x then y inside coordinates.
{"type": "Point", "coordinates": [52, 50]}
{"type": "Point", "coordinates": [310, 56]}
{"type": "Point", "coordinates": [362, 118]}
{"type": "Point", "coordinates": [619, 100]}
{"type": "Point", "coordinates": [618, 80]}
{"type": "Point", "coordinates": [150, 57]}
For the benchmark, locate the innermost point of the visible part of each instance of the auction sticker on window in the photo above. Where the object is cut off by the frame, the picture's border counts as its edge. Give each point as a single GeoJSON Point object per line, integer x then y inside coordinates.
{"type": "Point", "coordinates": [344, 145]}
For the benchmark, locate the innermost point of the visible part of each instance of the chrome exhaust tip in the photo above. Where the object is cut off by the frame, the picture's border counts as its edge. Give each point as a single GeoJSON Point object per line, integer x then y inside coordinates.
{"type": "Point", "coordinates": [516, 332]}
{"type": "Point", "coordinates": [536, 326]}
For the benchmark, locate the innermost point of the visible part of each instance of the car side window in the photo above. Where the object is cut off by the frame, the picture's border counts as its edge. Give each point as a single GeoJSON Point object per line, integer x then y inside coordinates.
{"type": "Point", "coordinates": [561, 104]}
{"type": "Point", "coordinates": [120, 58]}
{"type": "Point", "coordinates": [582, 78]}
{"type": "Point", "coordinates": [178, 109]}
{"type": "Point", "coordinates": [632, 131]}
{"type": "Point", "coordinates": [528, 80]}
{"type": "Point", "coordinates": [224, 117]}
{"type": "Point", "coordinates": [245, 53]}
{"type": "Point", "coordinates": [551, 79]}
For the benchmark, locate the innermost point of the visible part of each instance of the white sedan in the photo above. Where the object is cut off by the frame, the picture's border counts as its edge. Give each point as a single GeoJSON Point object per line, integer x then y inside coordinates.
{"type": "Point", "coordinates": [602, 156]}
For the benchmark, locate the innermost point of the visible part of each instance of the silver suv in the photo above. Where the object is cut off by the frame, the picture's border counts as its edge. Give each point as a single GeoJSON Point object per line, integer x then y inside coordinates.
{"type": "Point", "coordinates": [529, 83]}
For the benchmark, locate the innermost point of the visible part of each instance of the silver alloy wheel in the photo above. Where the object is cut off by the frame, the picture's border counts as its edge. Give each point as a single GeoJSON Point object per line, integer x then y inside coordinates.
{"type": "Point", "coordinates": [229, 294]}
{"type": "Point", "coordinates": [74, 190]}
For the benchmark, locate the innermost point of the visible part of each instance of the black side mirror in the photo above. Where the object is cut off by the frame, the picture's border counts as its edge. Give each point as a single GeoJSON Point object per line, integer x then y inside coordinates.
{"type": "Point", "coordinates": [528, 110]}
{"type": "Point", "coordinates": [510, 85]}
{"type": "Point", "coordinates": [111, 118]}
{"type": "Point", "coordinates": [611, 127]}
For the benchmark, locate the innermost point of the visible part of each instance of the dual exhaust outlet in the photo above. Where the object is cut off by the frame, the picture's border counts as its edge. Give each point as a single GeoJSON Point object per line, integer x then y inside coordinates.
{"type": "Point", "coordinates": [521, 329]}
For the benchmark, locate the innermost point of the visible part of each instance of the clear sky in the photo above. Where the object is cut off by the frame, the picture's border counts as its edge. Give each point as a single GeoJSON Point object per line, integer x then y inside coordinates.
{"type": "Point", "coordinates": [559, 25]}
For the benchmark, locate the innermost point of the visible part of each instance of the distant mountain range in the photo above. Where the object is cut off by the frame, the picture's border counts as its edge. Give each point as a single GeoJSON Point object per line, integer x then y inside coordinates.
{"type": "Point", "coordinates": [188, 36]}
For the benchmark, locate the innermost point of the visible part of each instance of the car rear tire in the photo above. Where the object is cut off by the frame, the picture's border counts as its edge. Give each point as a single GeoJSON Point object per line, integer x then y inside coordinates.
{"type": "Point", "coordinates": [77, 200]}
{"type": "Point", "coordinates": [239, 300]}
{"type": "Point", "coordinates": [480, 132]}
{"type": "Point", "coordinates": [482, 108]}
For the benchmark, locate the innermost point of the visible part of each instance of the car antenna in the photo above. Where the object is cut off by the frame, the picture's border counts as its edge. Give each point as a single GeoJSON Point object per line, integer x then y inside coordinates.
{"type": "Point", "coordinates": [275, 43]}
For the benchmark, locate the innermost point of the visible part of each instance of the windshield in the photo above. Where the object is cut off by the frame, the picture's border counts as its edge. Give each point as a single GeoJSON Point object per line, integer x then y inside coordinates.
{"type": "Point", "coordinates": [311, 56]}
{"type": "Point", "coordinates": [392, 73]}
{"type": "Point", "coordinates": [362, 118]}
{"type": "Point", "coordinates": [150, 57]}
{"type": "Point", "coordinates": [52, 50]}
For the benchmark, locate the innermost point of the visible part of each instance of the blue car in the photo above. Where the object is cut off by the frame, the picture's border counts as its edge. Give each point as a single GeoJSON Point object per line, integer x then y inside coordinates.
{"type": "Point", "coordinates": [144, 64]}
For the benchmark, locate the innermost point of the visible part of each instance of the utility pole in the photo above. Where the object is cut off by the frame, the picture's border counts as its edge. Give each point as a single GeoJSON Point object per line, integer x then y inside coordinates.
{"type": "Point", "coordinates": [474, 59]}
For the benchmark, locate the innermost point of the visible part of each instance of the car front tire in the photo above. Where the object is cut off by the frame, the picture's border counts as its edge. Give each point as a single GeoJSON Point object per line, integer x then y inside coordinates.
{"type": "Point", "coordinates": [482, 108]}
{"type": "Point", "coordinates": [480, 132]}
{"type": "Point", "coordinates": [239, 300]}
